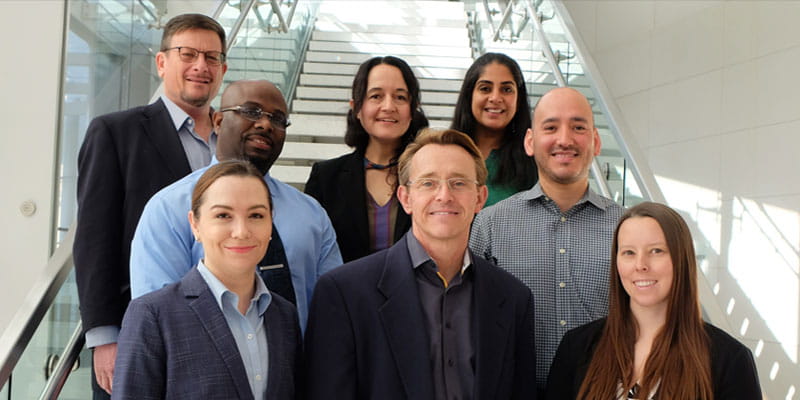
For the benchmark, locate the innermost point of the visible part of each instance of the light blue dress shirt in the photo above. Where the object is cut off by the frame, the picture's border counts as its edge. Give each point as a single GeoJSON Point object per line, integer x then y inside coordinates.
{"type": "Point", "coordinates": [198, 151]}
{"type": "Point", "coordinates": [164, 250]}
{"type": "Point", "coordinates": [248, 330]}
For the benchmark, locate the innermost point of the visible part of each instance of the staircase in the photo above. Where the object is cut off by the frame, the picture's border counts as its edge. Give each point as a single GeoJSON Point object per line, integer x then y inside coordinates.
{"type": "Point", "coordinates": [431, 36]}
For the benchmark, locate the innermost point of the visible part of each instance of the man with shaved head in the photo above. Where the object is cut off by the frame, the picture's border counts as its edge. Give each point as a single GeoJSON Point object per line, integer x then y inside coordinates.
{"type": "Point", "coordinates": [251, 124]}
{"type": "Point", "coordinates": [556, 236]}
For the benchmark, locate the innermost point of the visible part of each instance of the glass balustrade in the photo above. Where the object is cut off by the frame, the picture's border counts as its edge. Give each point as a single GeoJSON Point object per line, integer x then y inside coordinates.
{"type": "Point", "coordinates": [109, 66]}
{"type": "Point", "coordinates": [518, 39]}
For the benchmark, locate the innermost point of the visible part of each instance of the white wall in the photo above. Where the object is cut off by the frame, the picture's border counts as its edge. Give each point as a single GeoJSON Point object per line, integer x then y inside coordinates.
{"type": "Point", "coordinates": [31, 70]}
{"type": "Point", "coordinates": [710, 90]}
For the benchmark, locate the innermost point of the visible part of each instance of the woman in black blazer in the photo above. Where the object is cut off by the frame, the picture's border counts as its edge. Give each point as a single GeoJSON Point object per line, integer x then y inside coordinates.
{"type": "Point", "coordinates": [358, 190]}
{"type": "Point", "coordinates": [654, 343]}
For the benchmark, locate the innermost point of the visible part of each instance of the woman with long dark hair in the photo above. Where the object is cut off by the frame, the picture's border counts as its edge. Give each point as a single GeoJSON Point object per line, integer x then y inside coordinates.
{"type": "Point", "coordinates": [654, 343]}
{"type": "Point", "coordinates": [358, 189]}
{"type": "Point", "coordinates": [493, 109]}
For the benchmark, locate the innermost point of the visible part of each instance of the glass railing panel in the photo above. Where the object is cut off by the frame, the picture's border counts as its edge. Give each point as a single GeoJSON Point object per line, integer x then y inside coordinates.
{"type": "Point", "coordinates": [33, 369]}
{"type": "Point", "coordinates": [263, 50]}
{"type": "Point", "coordinates": [109, 67]}
{"type": "Point", "coordinates": [519, 41]}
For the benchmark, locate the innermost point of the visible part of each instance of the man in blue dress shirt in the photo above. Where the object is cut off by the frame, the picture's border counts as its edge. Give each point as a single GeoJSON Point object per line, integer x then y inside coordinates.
{"type": "Point", "coordinates": [251, 124]}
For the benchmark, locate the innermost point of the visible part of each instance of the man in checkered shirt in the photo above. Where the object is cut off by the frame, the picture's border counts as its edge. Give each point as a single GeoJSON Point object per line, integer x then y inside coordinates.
{"type": "Point", "coordinates": [555, 237]}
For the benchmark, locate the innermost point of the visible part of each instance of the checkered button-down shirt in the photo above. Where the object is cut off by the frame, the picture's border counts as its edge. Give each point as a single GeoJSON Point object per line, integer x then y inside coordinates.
{"type": "Point", "coordinates": [562, 257]}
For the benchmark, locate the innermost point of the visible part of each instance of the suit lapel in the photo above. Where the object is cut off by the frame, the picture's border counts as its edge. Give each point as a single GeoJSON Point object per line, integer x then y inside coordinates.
{"type": "Point", "coordinates": [402, 320]}
{"type": "Point", "coordinates": [207, 310]}
{"type": "Point", "coordinates": [493, 323]}
{"type": "Point", "coordinates": [353, 183]}
{"type": "Point", "coordinates": [158, 126]}
{"type": "Point", "coordinates": [276, 330]}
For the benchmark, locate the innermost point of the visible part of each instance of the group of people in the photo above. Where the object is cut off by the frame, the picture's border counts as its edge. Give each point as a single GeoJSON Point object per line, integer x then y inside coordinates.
{"type": "Point", "coordinates": [389, 278]}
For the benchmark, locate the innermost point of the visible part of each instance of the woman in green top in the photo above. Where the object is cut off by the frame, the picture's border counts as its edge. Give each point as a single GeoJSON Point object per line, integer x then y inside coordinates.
{"type": "Point", "coordinates": [493, 109]}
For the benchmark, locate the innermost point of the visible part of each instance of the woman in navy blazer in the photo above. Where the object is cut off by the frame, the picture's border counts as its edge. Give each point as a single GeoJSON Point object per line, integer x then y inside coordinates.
{"type": "Point", "coordinates": [218, 333]}
{"type": "Point", "coordinates": [358, 189]}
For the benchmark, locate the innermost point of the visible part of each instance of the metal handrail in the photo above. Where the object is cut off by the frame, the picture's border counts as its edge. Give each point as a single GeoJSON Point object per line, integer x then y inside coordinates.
{"type": "Point", "coordinates": [23, 325]}
{"type": "Point", "coordinates": [597, 173]}
{"type": "Point", "coordinates": [638, 167]}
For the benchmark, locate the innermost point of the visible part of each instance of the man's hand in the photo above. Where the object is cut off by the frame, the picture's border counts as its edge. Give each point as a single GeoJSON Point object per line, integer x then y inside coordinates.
{"type": "Point", "coordinates": [104, 357]}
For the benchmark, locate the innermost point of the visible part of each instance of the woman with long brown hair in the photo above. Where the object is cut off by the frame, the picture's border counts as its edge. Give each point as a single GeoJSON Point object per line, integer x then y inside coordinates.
{"type": "Point", "coordinates": [654, 343]}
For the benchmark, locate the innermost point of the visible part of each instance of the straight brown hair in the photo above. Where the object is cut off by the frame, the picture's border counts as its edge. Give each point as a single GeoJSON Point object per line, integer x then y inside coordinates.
{"type": "Point", "coordinates": [679, 358]}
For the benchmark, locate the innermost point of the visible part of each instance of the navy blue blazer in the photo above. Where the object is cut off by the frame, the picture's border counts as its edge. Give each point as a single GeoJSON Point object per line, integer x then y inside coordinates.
{"type": "Point", "coordinates": [176, 344]}
{"type": "Point", "coordinates": [340, 187]}
{"type": "Point", "coordinates": [366, 336]}
{"type": "Point", "coordinates": [125, 158]}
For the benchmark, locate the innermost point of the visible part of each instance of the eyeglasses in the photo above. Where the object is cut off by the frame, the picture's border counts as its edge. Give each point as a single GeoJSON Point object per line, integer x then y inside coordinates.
{"type": "Point", "coordinates": [190, 54]}
{"type": "Point", "coordinates": [279, 121]}
{"type": "Point", "coordinates": [433, 185]}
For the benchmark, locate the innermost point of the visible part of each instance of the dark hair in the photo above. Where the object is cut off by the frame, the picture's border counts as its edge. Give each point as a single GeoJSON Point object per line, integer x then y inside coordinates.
{"type": "Point", "coordinates": [516, 168]}
{"type": "Point", "coordinates": [443, 137]}
{"type": "Point", "coordinates": [355, 135]}
{"type": "Point", "coordinates": [225, 168]}
{"type": "Point", "coordinates": [680, 355]}
{"type": "Point", "coordinates": [184, 22]}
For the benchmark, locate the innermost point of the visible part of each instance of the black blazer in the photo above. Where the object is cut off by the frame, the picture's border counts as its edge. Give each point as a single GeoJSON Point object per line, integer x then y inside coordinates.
{"type": "Point", "coordinates": [176, 344]}
{"type": "Point", "coordinates": [340, 188]}
{"type": "Point", "coordinates": [733, 370]}
{"type": "Point", "coordinates": [366, 335]}
{"type": "Point", "coordinates": [126, 157]}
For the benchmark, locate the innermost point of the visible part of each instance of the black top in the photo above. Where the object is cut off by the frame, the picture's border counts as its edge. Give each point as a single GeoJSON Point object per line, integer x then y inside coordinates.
{"type": "Point", "coordinates": [733, 370]}
{"type": "Point", "coordinates": [340, 187]}
{"type": "Point", "coordinates": [449, 319]}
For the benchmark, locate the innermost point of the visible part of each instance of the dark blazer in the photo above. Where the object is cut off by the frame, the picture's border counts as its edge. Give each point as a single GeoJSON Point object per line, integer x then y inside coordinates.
{"type": "Point", "coordinates": [340, 188]}
{"type": "Point", "coordinates": [176, 344]}
{"type": "Point", "coordinates": [366, 336]}
{"type": "Point", "coordinates": [733, 370]}
{"type": "Point", "coordinates": [126, 157]}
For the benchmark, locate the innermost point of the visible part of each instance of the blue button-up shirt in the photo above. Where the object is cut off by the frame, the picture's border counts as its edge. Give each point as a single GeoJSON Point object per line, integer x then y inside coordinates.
{"type": "Point", "coordinates": [564, 258]}
{"type": "Point", "coordinates": [164, 250]}
{"type": "Point", "coordinates": [198, 151]}
{"type": "Point", "coordinates": [248, 330]}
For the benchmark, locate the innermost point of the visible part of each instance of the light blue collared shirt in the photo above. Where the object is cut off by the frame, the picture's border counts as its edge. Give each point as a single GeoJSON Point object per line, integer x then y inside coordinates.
{"type": "Point", "coordinates": [164, 250]}
{"type": "Point", "coordinates": [248, 330]}
{"type": "Point", "coordinates": [198, 151]}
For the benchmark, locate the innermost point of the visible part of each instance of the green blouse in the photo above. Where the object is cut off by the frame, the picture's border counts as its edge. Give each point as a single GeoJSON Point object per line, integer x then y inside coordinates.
{"type": "Point", "coordinates": [497, 192]}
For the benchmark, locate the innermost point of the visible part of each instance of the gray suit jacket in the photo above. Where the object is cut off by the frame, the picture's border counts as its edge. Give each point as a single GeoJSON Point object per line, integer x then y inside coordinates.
{"type": "Point", "coordinates": [176, 344]}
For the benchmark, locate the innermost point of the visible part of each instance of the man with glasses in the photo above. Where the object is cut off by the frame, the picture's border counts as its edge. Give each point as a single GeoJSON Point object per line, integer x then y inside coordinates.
{"type": "Point", "coordinates": [251, 124]}
{"type": "Point", "coordinates": [128, 156]}
{"type": "Point", "coordinates": [425, 318]}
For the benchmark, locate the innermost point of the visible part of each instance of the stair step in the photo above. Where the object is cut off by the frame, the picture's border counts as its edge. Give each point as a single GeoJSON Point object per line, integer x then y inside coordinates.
{"type": "Point", "coordinates": [457, 38]}
{"type": "Point", "coordinates": [313, 151]}
{"type": "Point", "coordinates": [293, 175]}
{"type": "Point", "coordinates": [400, 50]}
{"type": "Point", "coordinates": [358, 58]}
{"type": "Point", "coordinates": [350, 70]}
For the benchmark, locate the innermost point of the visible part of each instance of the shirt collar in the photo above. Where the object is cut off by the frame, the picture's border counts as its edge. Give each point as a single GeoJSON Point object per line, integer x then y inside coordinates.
{"type": "Point", "coordinates": [589, 196]}
{"type": "Point", "coordinates": [261, 296]}
{"type": "Point", "coordinates": [419, 256]}
{"type": "Point", "coordinates": [214, 160]}
{"type": "Point", "coordinates": [176, 113]}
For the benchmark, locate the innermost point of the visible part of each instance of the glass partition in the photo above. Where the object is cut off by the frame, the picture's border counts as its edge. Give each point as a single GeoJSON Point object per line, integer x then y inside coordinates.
{"type": "Point", "coordinates": [514, 30]}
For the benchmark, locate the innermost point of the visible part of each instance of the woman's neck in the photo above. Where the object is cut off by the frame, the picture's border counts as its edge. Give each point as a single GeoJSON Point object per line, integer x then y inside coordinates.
{"type": "Point", "coordinates": [240, 283]}
{"type": "Point", "coordinates": [380, 152]}
{"type": "Point", "coordinates": [487, 141]}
